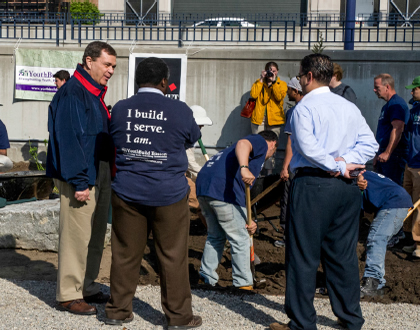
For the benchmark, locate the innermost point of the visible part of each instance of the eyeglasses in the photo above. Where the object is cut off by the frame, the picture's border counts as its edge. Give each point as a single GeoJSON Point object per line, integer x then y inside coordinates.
{"type": "Point", "coordinates": [298, 76]}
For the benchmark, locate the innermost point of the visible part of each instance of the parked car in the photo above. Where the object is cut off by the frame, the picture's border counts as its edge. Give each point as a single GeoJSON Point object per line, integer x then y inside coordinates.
{"type": "Point", "coordinates": [224, 21]}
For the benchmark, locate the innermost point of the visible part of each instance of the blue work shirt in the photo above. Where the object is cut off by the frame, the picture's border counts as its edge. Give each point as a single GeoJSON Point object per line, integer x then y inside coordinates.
{"type": "Point", "coordinates": [326, 126]}
{"type": "Point", "coordinates": [383, 193]}
{"type": "Point", "coordinates": [288, 127]}
{"type": "Point", "coordinates": [150, 132]}
{"type": "Point", "coordinates": [4, 139]}
{"type": "Point", "coordinates": [394, 109]}
{"type": "Point", "coordinates": [413, 128]}
{"type": "Point", "coordinates": [221, 179]}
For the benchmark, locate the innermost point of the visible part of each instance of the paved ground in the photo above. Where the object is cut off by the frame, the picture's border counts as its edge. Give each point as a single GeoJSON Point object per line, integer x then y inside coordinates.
{"type": "Point", "coordinates": [31, 305]}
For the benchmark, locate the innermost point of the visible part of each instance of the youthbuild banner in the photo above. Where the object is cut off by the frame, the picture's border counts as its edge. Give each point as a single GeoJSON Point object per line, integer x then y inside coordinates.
{"type": "Point", "coordinates": [35, 69]}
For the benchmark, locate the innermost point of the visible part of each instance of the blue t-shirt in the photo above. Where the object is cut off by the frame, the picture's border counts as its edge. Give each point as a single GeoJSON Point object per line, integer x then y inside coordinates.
{"type": "Point", "coordinates": [288, 127]}
{"type": "Point", "coordinates": [413, 128]}
{"type": "Point", "coordinates": [4, 139]}
{"type": "Point", "coordinates": [220, 178]}
{"type": "Point", "coordinates": [149, 132]}
{"type": "Point", "coordinates": [383, 193]}
{"type": "Point", "coordinates": [394, 109]}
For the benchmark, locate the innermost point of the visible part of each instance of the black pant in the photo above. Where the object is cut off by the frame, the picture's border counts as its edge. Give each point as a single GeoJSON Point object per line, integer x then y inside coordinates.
{"type": "Point", "coordinates": [130, 228]}
{"type": "Point", "coordinates": [284, 199]}
{"type": "Point", "coordinates": [322, 226]}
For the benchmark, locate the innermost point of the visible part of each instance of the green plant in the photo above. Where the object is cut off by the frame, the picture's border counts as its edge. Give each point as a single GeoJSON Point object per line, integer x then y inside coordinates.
{"type": "Point", "coordinates": [33, 151]}
{"type": "Point", "coordinates": [319, 46]}
{"type": "Point", "coordinates": [85, 11]}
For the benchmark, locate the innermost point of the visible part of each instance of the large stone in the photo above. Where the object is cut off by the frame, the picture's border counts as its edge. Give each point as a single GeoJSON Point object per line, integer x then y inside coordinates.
{"type": "Point", "coordinates": [31, 225]}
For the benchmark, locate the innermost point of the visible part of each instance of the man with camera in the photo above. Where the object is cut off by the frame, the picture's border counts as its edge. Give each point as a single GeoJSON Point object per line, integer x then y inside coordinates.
{"type": "Point", "coordinates": [269, 92]}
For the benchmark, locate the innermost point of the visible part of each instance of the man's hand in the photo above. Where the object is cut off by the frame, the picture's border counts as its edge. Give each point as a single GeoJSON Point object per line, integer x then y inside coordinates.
{"type": "Point", "coordinates": [384, 157]}
{"type": "Point", "coordinates": [361, 182]}
{"type": "Point", "coordinates": [351, 167]}
{"type": "Point", "coordinates": [82, 196]}
{"type": "Point", "coordinates": [284, 174]}
{"type": "Point", "coordinates": [247, 176]}
{"type": "Point", "coordinates": [375, 159]}
{"type": "Point", "coordinates": [252, 228]}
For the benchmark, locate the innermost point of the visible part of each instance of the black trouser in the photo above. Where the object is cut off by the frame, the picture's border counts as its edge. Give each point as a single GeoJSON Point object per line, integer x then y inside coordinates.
{"type": "Point", "coordinates": [322, 226]}
{"type": "Point", "coordinates": [284, 199]}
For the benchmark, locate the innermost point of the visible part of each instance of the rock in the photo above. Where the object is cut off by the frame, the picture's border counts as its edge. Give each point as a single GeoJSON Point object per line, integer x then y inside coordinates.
{"type": "Point", "coordinates": [33, 226]}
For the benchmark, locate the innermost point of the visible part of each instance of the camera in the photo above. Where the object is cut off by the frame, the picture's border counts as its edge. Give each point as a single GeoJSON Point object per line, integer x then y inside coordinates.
{"type": "Point", "coordinates": [269, 73]}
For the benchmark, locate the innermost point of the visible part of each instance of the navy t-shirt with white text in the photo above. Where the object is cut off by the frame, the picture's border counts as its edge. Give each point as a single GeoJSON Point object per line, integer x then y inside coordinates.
{"type": "Point", "coordinates": [383, 193]}
{"type": "Point", "coordinates": [220, 178]}
{"type": "Point", "coordinates": [413, 128]}
{"type": "Point", "coordinates": [4, 139]}
{"type": "Point", "coordinates": [395, 109]}
{"type": "Point", "coordinates": [149, 132]}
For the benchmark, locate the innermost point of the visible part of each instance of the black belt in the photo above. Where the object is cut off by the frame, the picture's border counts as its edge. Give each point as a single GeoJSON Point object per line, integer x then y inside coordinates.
{"type": "Point", "coordinates": [314, 171]}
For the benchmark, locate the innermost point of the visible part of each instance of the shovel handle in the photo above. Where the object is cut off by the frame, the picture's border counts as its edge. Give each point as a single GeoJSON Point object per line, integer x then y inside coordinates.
{"type": "Point", "coordinates": [249, 222]}
{"type": "Point", "coordinates": [410, 211]}
{"type": "Point", "coordinates": [203, 149]}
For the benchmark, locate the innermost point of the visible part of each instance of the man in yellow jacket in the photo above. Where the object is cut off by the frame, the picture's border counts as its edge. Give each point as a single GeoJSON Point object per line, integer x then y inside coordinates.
{"type": "Point", "coordinates": [269, 91]}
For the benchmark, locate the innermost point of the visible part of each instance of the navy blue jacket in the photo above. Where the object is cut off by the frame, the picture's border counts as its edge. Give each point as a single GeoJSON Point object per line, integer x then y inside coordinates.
{"type": "Point", "coordinates": [78, 127]}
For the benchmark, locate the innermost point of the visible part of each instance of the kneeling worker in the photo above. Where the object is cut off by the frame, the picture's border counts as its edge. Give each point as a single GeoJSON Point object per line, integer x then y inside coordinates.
{"type": "Point", "coordinates": [221, 194]}
{"type": "Point", "coordinates": [390, 204]}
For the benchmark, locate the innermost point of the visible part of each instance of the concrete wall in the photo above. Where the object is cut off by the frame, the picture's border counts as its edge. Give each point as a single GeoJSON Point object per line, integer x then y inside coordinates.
{"type": "Point", "coordinates": [220, 81]}
{"type": "Point", "coordinates": [111, 6]}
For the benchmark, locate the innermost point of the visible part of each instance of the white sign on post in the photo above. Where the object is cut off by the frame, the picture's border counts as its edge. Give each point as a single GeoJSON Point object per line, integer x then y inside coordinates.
{"type": "Point", "coordinates": [177, 64]}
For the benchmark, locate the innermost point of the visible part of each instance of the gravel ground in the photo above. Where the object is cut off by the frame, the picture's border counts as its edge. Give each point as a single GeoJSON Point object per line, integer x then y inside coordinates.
{"type": "Point", "coordinates": [31, 305]}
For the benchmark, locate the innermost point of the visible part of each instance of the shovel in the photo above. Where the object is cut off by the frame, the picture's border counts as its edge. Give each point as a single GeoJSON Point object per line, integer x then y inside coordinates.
{"type": "Point", "coordinates": [203, 150]}
{"type": "Point", "coordinates": [262, 283]}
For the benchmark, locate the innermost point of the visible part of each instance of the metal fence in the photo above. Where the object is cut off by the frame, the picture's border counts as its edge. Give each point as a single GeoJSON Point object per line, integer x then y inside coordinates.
{"type": "Point", "coordinates": [262, 28]}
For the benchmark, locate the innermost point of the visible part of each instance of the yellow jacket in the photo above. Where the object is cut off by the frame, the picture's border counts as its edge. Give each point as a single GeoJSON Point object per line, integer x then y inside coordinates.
{"type": "Point", "coordinates": [273, 98]}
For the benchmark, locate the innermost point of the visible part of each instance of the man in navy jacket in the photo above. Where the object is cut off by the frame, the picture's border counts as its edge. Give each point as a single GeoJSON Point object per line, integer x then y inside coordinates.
{"type": "Point", "coordinates": [79, 151]}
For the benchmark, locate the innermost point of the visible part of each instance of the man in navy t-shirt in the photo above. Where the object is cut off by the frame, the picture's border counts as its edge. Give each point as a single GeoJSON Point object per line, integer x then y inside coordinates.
{"type": "Point", "coordinates": [412, 171]}
{"type": "Point", "coordinates": [150, 192]}
{"type": "Point", "coordinates": [5, 163]}
{"type": "Point", "coordinates": [393, 140]}
{"type": "Point", "coordinates": [221, 194]}
{"type": "Point", "coordinates": [390, 204]}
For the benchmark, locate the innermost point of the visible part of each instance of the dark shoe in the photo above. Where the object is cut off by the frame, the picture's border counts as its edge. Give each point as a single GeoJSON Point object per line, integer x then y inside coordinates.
{"type": "Point", "coordinates": [369, 287]}
{"type": "Point", "coordinates": [119, 322]}
{"type": "Point", "coordinates": [78, 306]}
{"type": "Point", "coordinates": [278, 326]}
{"type": "Point", "coordinates": [194, 323]}
{"type": "Point", "coordinates": [99, 298]}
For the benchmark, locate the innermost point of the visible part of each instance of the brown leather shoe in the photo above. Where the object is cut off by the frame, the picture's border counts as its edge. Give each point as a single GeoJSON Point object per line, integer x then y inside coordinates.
{"type": "Point", "coordinates": [278, 326]}
{"type": "Point", "coordinates": [194, 323]}
{"type": "Point", "coordinates": [78, 306]}
{"type": "Point", "coordinates": [99, 298]}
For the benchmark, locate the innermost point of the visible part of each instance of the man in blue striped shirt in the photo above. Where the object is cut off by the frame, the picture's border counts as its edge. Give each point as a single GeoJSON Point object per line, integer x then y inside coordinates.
{"type": "Point", "coordinates": [330, 138]}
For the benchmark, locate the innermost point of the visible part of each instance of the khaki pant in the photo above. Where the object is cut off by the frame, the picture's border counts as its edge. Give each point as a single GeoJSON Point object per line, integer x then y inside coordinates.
{"type": "Point", "coordinates": [131, 224]}
{"type": "Point", "coordinates": [81, 237]}
{"type": "Point", "coordinates": [412, 185]}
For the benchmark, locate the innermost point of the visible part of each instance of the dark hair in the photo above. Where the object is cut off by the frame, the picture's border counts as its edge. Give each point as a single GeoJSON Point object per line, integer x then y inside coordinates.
{"type": "Point", "coordinates": [151, 71]}
{"type": "Point", "coordinates": [269, 135]}
{"type": "Point", "coordinates": [270, 64]}
{"type": "Point", "coordinates": [320, 65]}
{"type": "Point", "coordinates": [338, 71]}
{"type": "Point", "coordinates": [94, 50]}
{"type": "Point", "coordinates": [62, 75]}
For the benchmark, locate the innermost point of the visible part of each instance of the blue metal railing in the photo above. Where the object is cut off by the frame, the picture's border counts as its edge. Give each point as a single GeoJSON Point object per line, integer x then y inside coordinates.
{"type": "Point", "coordinates": [282, 29]}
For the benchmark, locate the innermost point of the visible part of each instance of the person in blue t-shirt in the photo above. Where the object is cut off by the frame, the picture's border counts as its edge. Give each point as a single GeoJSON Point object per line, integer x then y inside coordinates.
{"type": "Point", "coordinates": [150, 193]}
{"type": "Point", "coordinates": [5, 163]}
{"type": "Point", "coordinates": [221, 194]}
{"type": "Point", "coordinates": [391, 134]}
{"type": "Point", "coordinates": [412, 171]}
{"type": "Point", "coordinates": [390, 204]}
